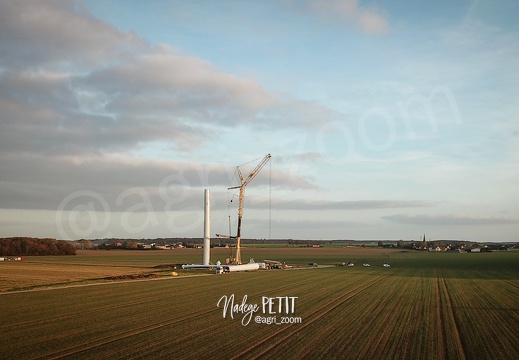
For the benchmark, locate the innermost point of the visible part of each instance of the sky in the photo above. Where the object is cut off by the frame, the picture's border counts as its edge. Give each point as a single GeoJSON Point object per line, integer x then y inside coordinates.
{"type": "Point", "coordinates": [385, 120]}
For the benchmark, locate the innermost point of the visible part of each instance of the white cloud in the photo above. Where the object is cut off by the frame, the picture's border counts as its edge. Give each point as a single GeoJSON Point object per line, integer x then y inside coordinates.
{"type": "Point", "coordinates": [450, 220]}
{"type": "Point", "coordinates": [72, 83]}
{"type": "Point", "coordinates": [373, 22]}
{"type": "Point", "coordinates": [168, 84]}
{"type": "Point", "coordinates": [347, 205]}
{"type": "Point", "coordinates": [87, 107]}
{"type": "Point", "coordinates": [369, 20]}
{"type": "Point", "coordinates": [78, 97]}
{"type": "Point", "coordinates": [37, 182]}
{"type": "Point", "coordinates": [37, 34]}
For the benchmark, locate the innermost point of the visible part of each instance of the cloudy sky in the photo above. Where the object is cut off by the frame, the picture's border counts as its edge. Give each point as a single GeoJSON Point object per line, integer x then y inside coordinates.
{"type": "Point", "coordinates": [385, 120]}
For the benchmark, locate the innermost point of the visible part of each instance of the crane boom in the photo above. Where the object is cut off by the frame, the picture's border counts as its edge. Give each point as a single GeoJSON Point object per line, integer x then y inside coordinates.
{"type": "Point", "coordinates": [244, 183]}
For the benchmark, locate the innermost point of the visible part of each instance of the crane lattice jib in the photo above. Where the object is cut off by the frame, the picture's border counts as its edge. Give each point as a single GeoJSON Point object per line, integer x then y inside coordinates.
{"type": "Point", "coordinates": [242, 196]}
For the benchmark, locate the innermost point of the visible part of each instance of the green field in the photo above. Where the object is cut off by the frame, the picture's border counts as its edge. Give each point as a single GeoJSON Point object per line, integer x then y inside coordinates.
{"type": "Point", "coordinates": [425, 306]}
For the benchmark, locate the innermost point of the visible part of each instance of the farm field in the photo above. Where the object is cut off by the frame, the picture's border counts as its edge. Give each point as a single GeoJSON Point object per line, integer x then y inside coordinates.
{"type": "Point", "coordinates": [93, 265]}
{"type": "Point", "coordinates": [426, 306]}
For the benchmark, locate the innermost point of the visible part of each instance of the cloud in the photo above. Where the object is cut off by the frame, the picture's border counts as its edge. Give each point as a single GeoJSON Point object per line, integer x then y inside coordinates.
{"type": "Point", "coordinates": [78, 100]}
{"type": "Point", "coordinates": [37, 34]}
{"type": "Point", "coordinates": [372, 22]}
{"type": "Point", "coordinates": [167, 84]}
{"type": "Point", "coordinates": [449, 220]}
{"type": "Point", "coordinates": [286, 224]}
{"type": "Point", "coordinates": [369, 20]}
{"type": "Point", "coordinates": [162, 70]}
{"type": "Point", "coordinates": [70, 83]}
{"type": "Point", "coordinates": [307, 205]}
{"type": "Point", "coordinates": [36, 182]}
{"type": "Point", "coordinates": [310, 229]}
{"type": "Point", "coordinates": [156, 97]}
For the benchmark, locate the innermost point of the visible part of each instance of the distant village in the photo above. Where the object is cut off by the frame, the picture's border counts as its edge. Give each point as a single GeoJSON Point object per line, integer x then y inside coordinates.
{"type": "Point", "coordinates": [26, 246]}
{"type": "Point", "coordinates": [179, 243]}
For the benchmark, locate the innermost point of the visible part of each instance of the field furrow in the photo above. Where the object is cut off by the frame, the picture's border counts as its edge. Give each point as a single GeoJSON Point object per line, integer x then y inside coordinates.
{"type": "Point", "coordinates": [455, 344]}
{"type": "Point", "coordinates": [487, 317]}
{"type": "Point", "coordinates": [281, 336]}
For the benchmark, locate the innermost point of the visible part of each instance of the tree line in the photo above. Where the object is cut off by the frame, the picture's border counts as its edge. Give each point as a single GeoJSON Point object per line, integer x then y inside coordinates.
{"type": "Point", "coordinates": [27, 246]}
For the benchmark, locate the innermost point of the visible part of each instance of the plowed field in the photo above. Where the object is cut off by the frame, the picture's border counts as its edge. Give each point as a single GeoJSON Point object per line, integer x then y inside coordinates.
{"type": "Point", "coordinates": [412, 310]}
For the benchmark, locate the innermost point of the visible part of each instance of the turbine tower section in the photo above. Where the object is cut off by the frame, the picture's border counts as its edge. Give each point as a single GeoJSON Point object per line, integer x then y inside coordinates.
{"type": "Point", "coordinates": [207, 228]}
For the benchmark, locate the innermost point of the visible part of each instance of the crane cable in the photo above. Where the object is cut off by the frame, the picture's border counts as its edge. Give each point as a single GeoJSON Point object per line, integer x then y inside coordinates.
{"type": "Point", "coordinates": [270, 200]}
{"type": "Point", "coordinates": [250, 162]}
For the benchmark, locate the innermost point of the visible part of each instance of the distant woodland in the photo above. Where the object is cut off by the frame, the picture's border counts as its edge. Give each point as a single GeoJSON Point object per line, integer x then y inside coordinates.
{"type": "Point", "coordinates": [24, 246]}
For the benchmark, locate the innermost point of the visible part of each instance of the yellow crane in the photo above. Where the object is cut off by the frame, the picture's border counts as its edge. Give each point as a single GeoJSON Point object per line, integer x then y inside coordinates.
{"type": "Point", "coordinates": [244, 182]}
